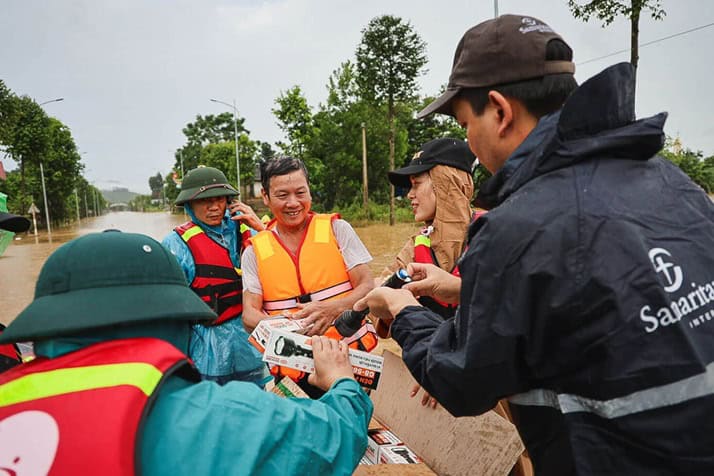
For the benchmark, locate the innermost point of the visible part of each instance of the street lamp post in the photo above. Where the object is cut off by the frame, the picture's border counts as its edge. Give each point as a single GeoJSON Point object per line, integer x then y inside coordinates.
{"type": "Point", "coordinates": [235, 135]}
{"type": "Point", "coordinates": [42, 175]}
{"type": "Point", "coordinates": [44, 195]}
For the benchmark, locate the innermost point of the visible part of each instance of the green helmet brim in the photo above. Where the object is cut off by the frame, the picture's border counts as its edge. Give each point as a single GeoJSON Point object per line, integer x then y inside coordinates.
{"type": "Point", "coordinates": [206, 191]}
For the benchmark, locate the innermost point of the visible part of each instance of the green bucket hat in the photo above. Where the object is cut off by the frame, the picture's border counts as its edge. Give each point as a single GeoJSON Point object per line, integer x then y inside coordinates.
{"type": "Point", "coordinates": [204, 182]}
{"type": "Point", "coordinates": [104, 279]}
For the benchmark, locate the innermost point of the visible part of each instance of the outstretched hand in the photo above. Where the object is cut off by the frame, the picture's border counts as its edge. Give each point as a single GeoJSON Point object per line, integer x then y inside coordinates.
{"type": "Point", "coordinates": [317, 316]}
{"type": "Point", "coordinates": [332, 362]}
{"type": "Point", "coordinates": [426, 399]}
{"type": "Point", "coordinates": [385, 303]}
{"type": "Point", "coordinates": [430, 280]}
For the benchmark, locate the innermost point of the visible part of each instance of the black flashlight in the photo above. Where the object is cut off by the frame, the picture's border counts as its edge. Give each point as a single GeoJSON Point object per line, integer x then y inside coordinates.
{"type": "Point", "coordinates": [287, 347]}
{"type": "Point", "coordinates": [349, 321]}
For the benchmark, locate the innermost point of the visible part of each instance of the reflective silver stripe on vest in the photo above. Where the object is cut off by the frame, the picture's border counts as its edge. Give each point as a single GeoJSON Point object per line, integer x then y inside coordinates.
{"type": "Point", "coordinates": [280, 305]}
{"type": "Point", "coordinates": [320, 295]}
{"type": "Point", "coordinates": [538, 397]}
{"type": "Point", "coordinates": [700, 385]}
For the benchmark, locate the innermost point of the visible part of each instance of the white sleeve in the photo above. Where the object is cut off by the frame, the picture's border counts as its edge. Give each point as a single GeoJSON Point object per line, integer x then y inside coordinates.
{"type": "Point", "coordinates": [249, 266]}
{"type": "Point", "coordinates": [353, 250]}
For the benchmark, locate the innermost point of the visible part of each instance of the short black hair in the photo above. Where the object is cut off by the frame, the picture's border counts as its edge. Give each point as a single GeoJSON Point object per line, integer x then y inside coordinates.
{"type": "Point", "coordinates": [540, 96]}
{"type": "Point", "coordinates": [280, 166]}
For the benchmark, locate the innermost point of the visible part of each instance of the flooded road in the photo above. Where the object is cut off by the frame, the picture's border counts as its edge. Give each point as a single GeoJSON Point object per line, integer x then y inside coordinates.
{"type": "Point", "coordinates": [23, 259]}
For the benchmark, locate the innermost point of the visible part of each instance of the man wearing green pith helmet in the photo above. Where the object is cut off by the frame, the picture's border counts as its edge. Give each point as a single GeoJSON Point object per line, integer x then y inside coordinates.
{"type": "Point", "coordinates": [112, 390]}
{"type": "Point", "coordinates": [208, 249]}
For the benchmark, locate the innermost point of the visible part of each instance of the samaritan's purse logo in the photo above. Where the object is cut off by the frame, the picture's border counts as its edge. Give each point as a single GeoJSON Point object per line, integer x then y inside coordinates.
{"type": "Point", "coordinates": [695, 305]}
{"type": "Point", "coordinates": [672, 273]}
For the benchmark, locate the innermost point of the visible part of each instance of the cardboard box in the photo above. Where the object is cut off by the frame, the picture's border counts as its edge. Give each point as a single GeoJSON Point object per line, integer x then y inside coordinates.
{"type": "Point", "coordinates": [397, 454]}
{"type": "Point", "coordinates": [376, 439]}
{"type": "Point", "coordinates": [483, 445]}
{"type": "Point", "coordinates": [294, 351]}
{"type": "Point", "coordinates": [261, 334]}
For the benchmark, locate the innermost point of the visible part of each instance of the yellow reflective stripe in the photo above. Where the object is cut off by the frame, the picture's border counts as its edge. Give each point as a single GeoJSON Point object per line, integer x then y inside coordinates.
{"type": "Point", "coordinates": [263, 247]}
{"type": "Point", "coordinates": [322, 229]}
{"type": "Point", "coordinates": [422, 240]}
{"type": "Point", "coordinates": [141, 375]}
{"type": "Point", "coordinates": [191, 232]}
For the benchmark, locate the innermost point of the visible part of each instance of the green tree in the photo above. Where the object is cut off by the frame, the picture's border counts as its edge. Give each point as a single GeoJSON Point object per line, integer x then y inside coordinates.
{"type": "Point", "coordinates": [433, 127]}
{"type": "Point", "coordinates": [295, 119]}
{"type": "Point", "coordinates": [390, 58]}
{"type": "Point", "coordinates": [156, 184]}
{"type": "Point", "coordinates": [26, 132]}
{"type": "Point", "coordinates": [62, 168]}
{"type": "Point", "coordinates": [211, 129]}
{"type": "Point", "coordinates": [692, 163]}
{"type": "Point", "coordinates": [608, 10]}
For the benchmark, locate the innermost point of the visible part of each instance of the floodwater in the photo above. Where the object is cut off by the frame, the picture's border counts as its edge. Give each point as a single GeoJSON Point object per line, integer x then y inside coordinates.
{"type": "Point", "coordinates": [20, 264]}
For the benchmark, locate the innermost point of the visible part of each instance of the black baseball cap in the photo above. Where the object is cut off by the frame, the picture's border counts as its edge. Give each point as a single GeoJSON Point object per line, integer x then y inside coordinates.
{"type": "Point", "coordinates": [502, 50]}
{"type": "Point", "coordinates": [452, 152]}
{"type": "Point", "coordinates": [14, 223]}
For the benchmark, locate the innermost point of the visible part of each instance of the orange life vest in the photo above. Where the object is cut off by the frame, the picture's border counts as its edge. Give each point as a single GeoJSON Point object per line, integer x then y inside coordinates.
{"type": "Point", "coordinates": [80, 413]}
{"type": "Point", "coordinates": [317, 273]}
{"type": "Point", "coordinates": [217, 281]}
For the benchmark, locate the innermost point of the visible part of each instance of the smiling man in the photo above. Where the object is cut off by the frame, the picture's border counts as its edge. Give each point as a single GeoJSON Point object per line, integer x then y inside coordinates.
{"type": "Point", "coordinates": [307, 265]}
{"type": "Point", "coordinates": [208, 249]}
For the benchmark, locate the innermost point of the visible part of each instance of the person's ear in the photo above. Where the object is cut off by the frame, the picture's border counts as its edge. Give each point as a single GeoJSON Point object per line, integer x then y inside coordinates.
{"type": "Point", "coordinates": [504, 112]}
{"type": "Point", "coordinates": [265, 196]}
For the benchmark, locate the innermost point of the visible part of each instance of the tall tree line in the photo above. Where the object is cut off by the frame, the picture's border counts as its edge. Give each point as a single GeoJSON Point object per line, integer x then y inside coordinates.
{"type": "Point", "coordinates": [30, 138]}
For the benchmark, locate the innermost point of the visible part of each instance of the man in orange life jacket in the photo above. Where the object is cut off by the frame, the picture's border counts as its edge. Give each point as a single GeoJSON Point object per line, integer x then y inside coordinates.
{"type": "Point", "coordinates": [112, 391]}
{"type": "Point", "coordinates": [10, 354]}
{"type": "Point", "coordinates": [208, 249]}
{"type": "Point", "coordinates": [310, 266]}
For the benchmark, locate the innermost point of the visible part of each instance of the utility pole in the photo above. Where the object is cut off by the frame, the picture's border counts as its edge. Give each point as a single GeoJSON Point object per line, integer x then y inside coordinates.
{"type": "Point", "coordinates": [364, 167]}
{"type": "Point", "coordinates": [47, 209]}
{"type": "Point", "coordinates": [181, 155]}
{"type": "Point", "coordinates": [495, 8]}
{"type": "Point", "coordinates": [76, 201]}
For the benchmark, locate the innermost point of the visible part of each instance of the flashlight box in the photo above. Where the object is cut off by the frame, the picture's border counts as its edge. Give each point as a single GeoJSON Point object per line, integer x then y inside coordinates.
{"type": "Point", "coordinates": [486, 445]}
{"type": "Point", "coordinates": [378, 439]}
{"type": "Point", "coordinates": [397, 454]}
{"type": "Point", "coordinates": [294, 351]}
{"type": "Point", "coordinates": [261, 334]}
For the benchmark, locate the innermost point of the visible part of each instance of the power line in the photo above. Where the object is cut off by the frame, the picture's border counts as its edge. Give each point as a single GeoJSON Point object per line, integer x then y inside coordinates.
{"type": "Point", "coordinates": [642, 45]}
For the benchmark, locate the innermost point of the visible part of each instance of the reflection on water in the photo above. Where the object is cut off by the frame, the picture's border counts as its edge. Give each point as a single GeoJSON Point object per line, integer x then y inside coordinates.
{"type": "Point", "coordinates": [21, 262]}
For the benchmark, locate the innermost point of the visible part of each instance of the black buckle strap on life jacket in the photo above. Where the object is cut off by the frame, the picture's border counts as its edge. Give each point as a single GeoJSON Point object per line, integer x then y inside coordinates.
{"type": "Point", "coordinates": [304, 298]}
{"type": "Point", "coordinates": [229, 301]}
{"type": "Point", "coordinates": [213, 271]}
{"type": "Point", "coordinates": [218, 289]}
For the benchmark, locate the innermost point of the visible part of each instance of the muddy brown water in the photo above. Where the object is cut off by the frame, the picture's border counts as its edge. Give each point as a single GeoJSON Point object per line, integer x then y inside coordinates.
{"type": "Point", "coordinates": [21, 263]}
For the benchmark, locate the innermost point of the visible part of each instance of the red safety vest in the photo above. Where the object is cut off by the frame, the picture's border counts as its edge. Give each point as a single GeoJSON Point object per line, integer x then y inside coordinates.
{"type": "Point", "coordinates": [424, 254]}
{"type": "Point", "coordinates": [80, 413]}
{"type": "Point", "coordinates": [217, 282]}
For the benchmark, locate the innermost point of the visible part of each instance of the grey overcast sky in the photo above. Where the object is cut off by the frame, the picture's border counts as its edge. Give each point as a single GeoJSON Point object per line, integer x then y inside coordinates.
{"type": "Point", "coordinates": [134, 72]}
